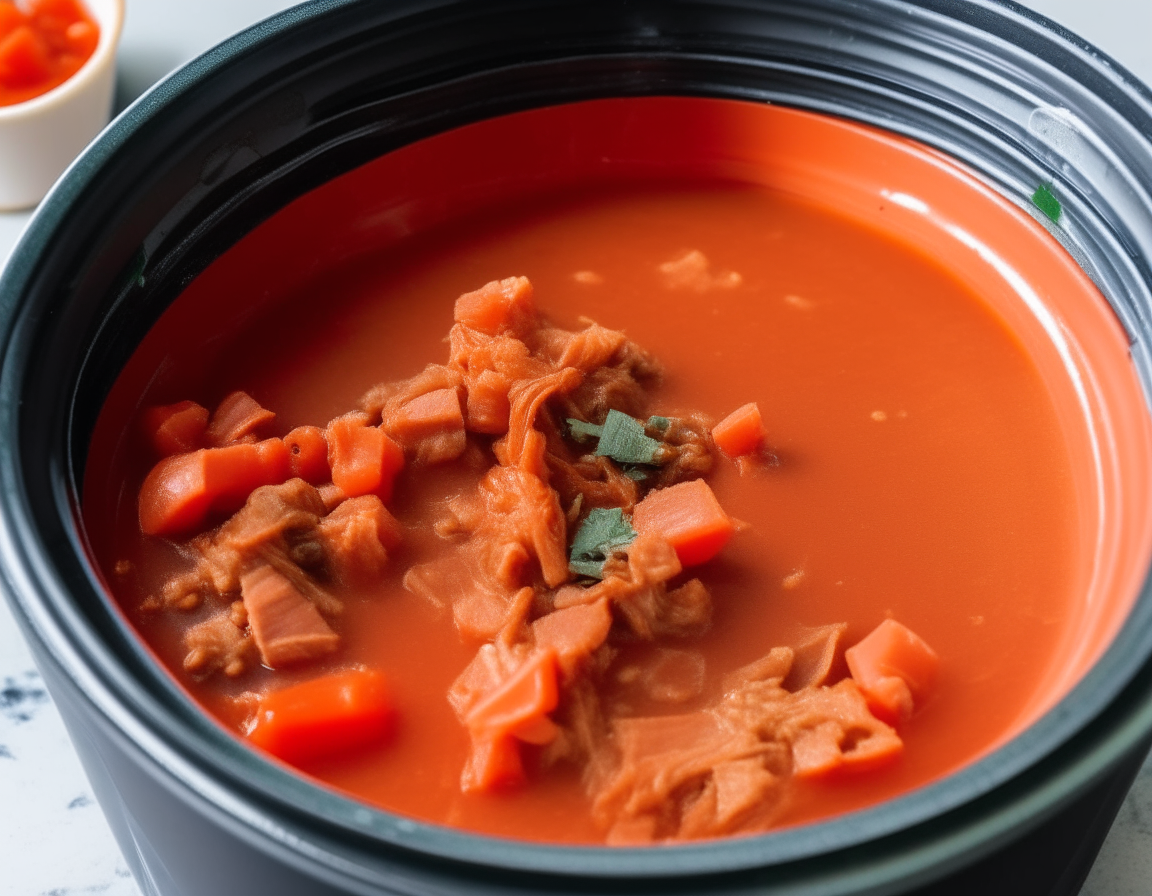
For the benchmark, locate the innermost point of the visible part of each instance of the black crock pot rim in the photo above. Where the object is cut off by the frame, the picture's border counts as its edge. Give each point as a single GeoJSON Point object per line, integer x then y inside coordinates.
{"type": "Point", "coordinates": [76, 652]}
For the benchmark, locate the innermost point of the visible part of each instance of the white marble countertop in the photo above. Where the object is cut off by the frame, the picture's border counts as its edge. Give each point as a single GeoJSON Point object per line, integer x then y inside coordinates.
{"type": "Point", "coordinates": [53, 839]}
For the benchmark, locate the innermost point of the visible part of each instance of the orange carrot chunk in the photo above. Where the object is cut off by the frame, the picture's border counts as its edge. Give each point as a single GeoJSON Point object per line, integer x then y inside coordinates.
{"type": "Point", "coordinates": [238, 417]}
{"type": "Point", "coordinates": [689, 517]}
{"type": "Point", "coordinates": [515, 711]}
{"type": "Point", "coordinates": [325, 716]}
{"type": "Point", "coordinates": [741, 432]}
{"type": "Point", "coordinates": [308, 454]}
{"type": "Point", "coordinates": [10, 19]}
{"type": "Point", "coordinates": [24, 58]}
{"type": "Point", "coordinates": [494, 764]}
{"type": "Point", "coordinates": [521, 701]}
{"type": "Point", "coordinates": [181, 491]}
{"type": "Point", "coordinates": [363, 459]}
{"type": "Point", "coordinates": [175, 428]}
{"type": "Point", "coordinates": [895, 670]}
{"type": "Point", "coordinates": [497, 306]}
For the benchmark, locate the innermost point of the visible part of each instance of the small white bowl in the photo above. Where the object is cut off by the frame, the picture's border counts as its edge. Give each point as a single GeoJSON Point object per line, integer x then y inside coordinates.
{"type": "Point", "coordinates": [39, 138]}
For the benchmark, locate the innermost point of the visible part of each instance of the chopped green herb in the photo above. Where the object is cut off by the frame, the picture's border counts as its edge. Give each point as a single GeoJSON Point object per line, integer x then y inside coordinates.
{"type": "Point", "coordinates": [624, 441]}
{"type": "Point", "coordinates": [659, 423]}
{"type": "Point", "coordinates": [582, 431]}
{"type": "Point", "coordinates": [603, 532]}
{"type": "Point", "coordinates": [1045, 200]}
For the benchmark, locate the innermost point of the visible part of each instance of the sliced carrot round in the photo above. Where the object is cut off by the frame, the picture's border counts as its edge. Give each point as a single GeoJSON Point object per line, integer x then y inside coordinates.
{"type": "Point", "coordinates": [308, 454]}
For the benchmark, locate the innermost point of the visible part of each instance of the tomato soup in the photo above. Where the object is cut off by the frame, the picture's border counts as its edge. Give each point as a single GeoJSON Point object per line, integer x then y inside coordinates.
{"type": "Point", "coordinates": [43, 43]}
{"type": "Point", "coordinates": [922, 459]}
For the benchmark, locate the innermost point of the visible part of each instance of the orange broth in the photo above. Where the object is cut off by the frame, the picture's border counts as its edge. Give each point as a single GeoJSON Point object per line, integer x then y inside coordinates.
{"type": "Point", "coordinates": [925, 468]}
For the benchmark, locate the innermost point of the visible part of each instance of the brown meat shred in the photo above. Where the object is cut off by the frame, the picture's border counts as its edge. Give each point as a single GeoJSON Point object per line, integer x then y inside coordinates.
{"type": "Point", "coordinates": [638, 591]}
{"type": "Point", "coordinates": [218, 643]}
{"type": "Point", "coordinates": [286, 626]}
{"type": "Point", "coordinates": [688, 451]}
{"type": "Point", "coordinates": [272, 516]}
{"type": "Point", "coordinates": [724, 769]}
{"type": "Point", "coordinates": [623, 385]}
{"type": "Point", "coordinates": [355, 538]}
{"type": "Point", "coordinates": [285, 530]}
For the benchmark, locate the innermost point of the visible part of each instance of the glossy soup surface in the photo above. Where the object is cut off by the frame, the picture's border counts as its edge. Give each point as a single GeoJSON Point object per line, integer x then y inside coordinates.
{"type": "Point", "coordinates": [922, 473]}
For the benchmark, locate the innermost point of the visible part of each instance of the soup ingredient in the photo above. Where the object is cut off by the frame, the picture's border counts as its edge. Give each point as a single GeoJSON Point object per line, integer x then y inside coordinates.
{"type": "Point", "coordinates": [362, 458]}
{"type": "Point", "coordinates": [741, 433]}
{"type": "Point", "coordinates": [308, 454]}
{"type": "Point", "coordinates": [604, 533]}
{"type": "Point", "coordinates": [689, 518]}
{"type": "Point", "coordinates": [236, 419]}
{"type": "Point", "coordinates": [1045, 200]}
{"type": "Point", "coordinates": [894, 668]}
{"type": "Point", "coordinates": [43, 43]}
{"type": "Point", "coordinates": [176, 428]}
{"type": "Point", "coordinates": [183, 490]}
{"type": "Point", "coordinates": [727, 767]}
{"type": "Point", "coordinates": [337, 713]}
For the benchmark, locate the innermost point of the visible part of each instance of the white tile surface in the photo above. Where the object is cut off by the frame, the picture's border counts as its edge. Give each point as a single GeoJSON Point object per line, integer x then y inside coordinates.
{"type": "Point", "coordinates": [53, 839]}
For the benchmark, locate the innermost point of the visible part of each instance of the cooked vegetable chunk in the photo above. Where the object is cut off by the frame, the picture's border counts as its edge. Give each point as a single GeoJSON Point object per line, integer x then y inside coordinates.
{"type": "Point", "coordinates": [689, 517]}
{"type": "Point", "coordinates": [336, 713]}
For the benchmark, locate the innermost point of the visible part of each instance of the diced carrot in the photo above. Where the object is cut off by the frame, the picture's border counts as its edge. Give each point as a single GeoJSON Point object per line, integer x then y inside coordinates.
{"type": "Point", "coordinates": [325, 716]}
{"type": "Point", "coordinates": [363, 459]}
{"type": "Point", "coordinates": [82, 38]}
{"type": "Point", "coordinates": [11, 18]}
{"type": "Point", "coordinates": [497, 306]}
{"type": "Point", "coordinates": [175, 428]}
{"type": "Point", "coordinates": [308, 454]}
{"type": "Point", "coordinates": [239, 415]}
{"type": "Point", "coordinates": [894, 668]}
{"type": "Point", "coordinates": [488, 404]}
{"type": "Point", "coordinates": [426, 415]}
{"type": "Point", "coordinates": [23, 58]}
{"type": "Point", "coordinates": [234, 472]}
{"type": "Point", "coordinates": [573, 632]}
{"type": "Point", "coordinates": [181, 491]}
{"type": "Point", "coordinates": [494, 764]}
{"type": "Point", "coordinates": [55, 15]}
{"type": "Point", "coordinates": [689, 517]}
{"type": "Point", "coordinates": [520, 702]}
{"type": "Point", "coordinates": [741, 432]}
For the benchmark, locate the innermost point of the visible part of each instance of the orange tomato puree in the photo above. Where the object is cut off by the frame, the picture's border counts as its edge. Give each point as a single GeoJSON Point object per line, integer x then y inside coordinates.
{"type": "Point", "coordinates": [43, 43]}
{"type": "Point", "coordinates": [923, 471]}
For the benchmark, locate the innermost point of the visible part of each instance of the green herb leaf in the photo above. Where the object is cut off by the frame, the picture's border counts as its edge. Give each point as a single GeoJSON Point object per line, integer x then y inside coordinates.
{"type": "Point", "coordinates": [624, 441]}
{"type": "Point", "coordinates": [1045, 200]}
{"type": "Point", "coordinates": [660, 424]}
{"type": "Point", "coordinates": [583, 432]}
{"type": "Point", "coordinates": [603, 532]}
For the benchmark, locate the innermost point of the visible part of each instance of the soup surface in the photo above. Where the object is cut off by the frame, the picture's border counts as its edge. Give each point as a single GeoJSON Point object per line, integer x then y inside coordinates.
{"type": "Point", "coordinates": [915, 466]}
